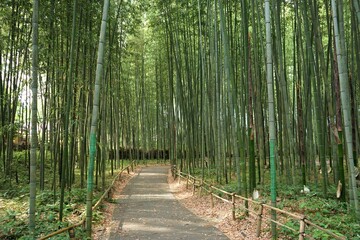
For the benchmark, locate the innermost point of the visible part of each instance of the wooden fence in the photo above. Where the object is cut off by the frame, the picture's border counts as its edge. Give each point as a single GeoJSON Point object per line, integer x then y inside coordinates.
{"type": "Point", "coordinates": [107, 193]}
{"type": "Point", "coordinates": [232, 198]}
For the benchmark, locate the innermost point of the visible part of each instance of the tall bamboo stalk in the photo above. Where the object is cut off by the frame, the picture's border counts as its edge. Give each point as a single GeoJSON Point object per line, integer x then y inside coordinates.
{"type": "Point", "coordinates": [94, 118]}
{"type": "Point", "coordinates": [272, 130]}
{"type": "Point", "coordinates": [345, 104]}
{"type": "Point", "coordinates": [230, 87]}
{"type": "Point", "coordinates": [34, 137]}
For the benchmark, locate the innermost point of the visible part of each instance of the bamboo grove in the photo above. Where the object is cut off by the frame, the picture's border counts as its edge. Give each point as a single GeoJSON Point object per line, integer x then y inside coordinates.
{"type": "Point", "coordinates": [222, 86]}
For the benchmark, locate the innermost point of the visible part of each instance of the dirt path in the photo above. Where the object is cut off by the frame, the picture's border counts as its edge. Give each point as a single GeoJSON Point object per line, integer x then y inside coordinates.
{"type": "Point", "coordinates": [146, 209]}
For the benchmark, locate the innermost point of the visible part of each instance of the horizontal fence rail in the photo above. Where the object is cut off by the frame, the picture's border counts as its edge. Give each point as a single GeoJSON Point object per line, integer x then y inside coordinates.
{"type": "Point", "coordinates": [259, 215]}
{"type": "Point", "coordinates": [107, 193]}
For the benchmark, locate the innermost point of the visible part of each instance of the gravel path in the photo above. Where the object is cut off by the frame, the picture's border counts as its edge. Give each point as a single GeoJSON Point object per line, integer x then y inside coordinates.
{"type": "Point", "coordinates": [148, 210]}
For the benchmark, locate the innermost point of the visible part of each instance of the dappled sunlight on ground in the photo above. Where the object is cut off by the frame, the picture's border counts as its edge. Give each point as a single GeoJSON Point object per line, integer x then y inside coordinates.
{"type": "Point", "coordinates": [153, 174]}
{"type": "Point", "coordinates": [149, 228]}
{"type": "Point", "coordinates": [147, 196]}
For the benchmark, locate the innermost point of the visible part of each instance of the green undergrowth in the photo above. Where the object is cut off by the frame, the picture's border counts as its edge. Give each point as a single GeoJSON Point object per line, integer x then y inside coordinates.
{"type": "Point", "coordinates": [14, 220]}
{"type": "Point", "coordinates": [14, 202]}
{"type": "Point", "coordinates": [328, 213]}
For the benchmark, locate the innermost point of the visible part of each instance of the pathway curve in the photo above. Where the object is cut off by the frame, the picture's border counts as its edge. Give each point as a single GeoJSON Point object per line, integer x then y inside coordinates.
{"type": "Point", "coordinates": [148, 210]}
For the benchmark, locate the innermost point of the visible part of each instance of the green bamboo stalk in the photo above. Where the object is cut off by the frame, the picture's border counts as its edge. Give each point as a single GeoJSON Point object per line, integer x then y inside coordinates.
{"type": "Point", "coordinates": [34, 137]}
{"type": "Point", "coordinates": [231, 96]}
{"type": "Point", "coordinates": [272, 130]}
{"type": "Point", "coordinates": [345, 103]}
{"type": "Point", "coordinates": [65, 173]}
{"type": "Point", "coordinates": [94, 118]}
{"type": "Point", "coordinates": [357, 9]}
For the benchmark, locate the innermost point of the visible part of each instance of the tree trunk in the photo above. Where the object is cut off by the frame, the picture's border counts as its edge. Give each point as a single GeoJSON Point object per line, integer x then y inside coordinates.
{"type": "Point", "coordinates": [272, 130]}
{"type": "Point", "coordinates": [345, 102]}
{"type": "Point", "coordinates": [94, 118]}
{"type": "Point", "coordinates": [34, 138]}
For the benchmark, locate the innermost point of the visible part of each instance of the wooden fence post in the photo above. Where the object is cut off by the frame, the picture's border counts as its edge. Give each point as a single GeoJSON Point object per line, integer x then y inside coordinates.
{"type": "Point", "coordinates": [127, 169]}
{"type": "Point", "coordinates": [201, 184]}
{"type": "Point", "coordinates": [187, 181]}
{"type": "Point", "coordinates": [233, 205]}
{"type": "Point", "coordinates": [71, 233]}
{"type": "Point", "coordinates": [302, 228]}
{"type": "Point", "coordinates": [109, 193]}
{"type": "Point", "coordinates": [259, 220]}
{"type": "Point", "coordinates": [194, 187]}
{"type": "Point", "coordinates": [211, 197]}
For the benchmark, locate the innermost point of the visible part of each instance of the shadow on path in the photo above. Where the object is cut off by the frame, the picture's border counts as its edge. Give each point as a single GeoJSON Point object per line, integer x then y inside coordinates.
{"type": "Point", "coordinates": [148, 210]}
